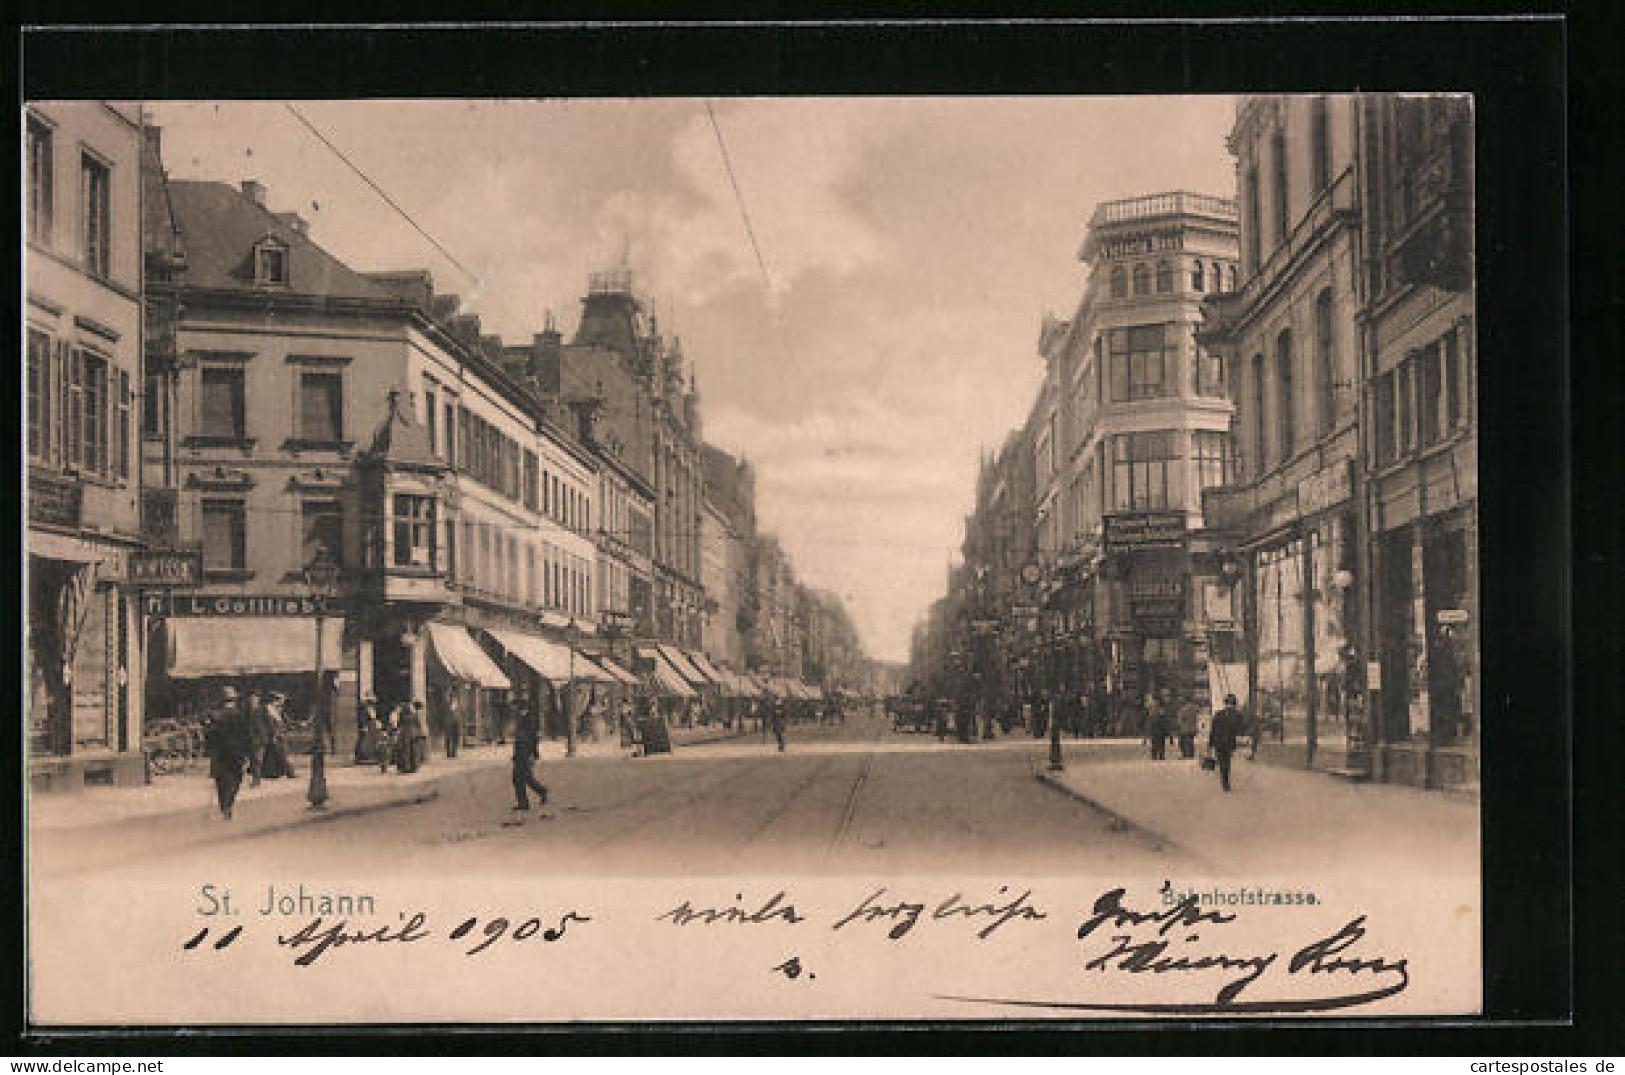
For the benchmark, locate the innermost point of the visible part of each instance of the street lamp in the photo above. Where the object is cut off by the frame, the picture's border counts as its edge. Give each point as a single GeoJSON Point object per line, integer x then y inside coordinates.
{"type": "Point", "coordinates": [321, 576]}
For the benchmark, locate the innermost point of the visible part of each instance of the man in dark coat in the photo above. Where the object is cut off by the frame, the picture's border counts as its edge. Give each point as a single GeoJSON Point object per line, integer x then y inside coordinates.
{"type": "Point", "coordinates": [259, 736]}
{"type": "Point", "coordinates": [526, 749]}
{"type": "Point", "coordinates": [1228, 725]}
{"type": "Point", "coordinates": [454, 722]}
{"type": "Point", "coordinates": [229, 746]}
{"type": "Point", "coordinates": [778, 722]}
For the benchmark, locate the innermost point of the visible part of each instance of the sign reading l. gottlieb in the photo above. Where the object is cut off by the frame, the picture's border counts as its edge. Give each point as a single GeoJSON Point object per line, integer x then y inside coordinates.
{"type": "Point", "coordinates": [1145, 529]}
{"type": "Point", "coordinates": [239, 604]}
{"type": "Point", "coordinates": [160, 568]}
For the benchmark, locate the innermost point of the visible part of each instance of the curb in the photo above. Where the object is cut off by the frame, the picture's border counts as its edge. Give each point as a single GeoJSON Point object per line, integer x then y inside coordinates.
{"type": "Point", "coordinates": [1044, 777]}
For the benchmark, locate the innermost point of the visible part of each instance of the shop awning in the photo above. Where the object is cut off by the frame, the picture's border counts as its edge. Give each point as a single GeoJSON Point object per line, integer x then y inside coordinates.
{"type": "Point", "coordinates": [667, 678]}
{"type": "Point", "coordinates": [553, 661]}
{"type": "Point", "coordinates": [619, 674]}
{"type": "Point", "coordinates": [707, 669]}
{"type": "Point", "coordinates": [679, 660]}
{"type": "Point", "coordinates": [259, 645]}
{"type": "Point", "coordinates": [462, 657]}
{"type": "Point", "coordinates": [740, 686]}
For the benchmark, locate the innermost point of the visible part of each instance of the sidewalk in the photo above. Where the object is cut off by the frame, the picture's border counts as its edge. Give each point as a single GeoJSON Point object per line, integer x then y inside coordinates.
{"type": "Point", "coordinates": [1289, 821]}
{"type": "Point", "coordinates": [277, 803]}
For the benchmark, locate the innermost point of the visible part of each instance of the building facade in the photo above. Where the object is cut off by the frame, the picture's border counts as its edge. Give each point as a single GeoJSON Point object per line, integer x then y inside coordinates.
{"type": "Point", "coordinates": [83, 357]}
{"type": "Point", "coordinates": [1290, 334]}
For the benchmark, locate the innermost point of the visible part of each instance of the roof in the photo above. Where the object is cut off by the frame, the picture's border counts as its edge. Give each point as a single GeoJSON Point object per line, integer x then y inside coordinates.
{"type": "Point", "coordinates": [402, 440]}
{"type": "Point", "coordinates": [219, 226]}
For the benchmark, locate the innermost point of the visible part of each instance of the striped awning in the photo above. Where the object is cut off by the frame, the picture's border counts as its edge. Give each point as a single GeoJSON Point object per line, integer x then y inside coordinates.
{"type": "Point", "coordinates": [707, 669]}
{"type": "Point", "coordinates": [553, 661]}
{"type": "Point", "coordinates": [462, 657]}
{"type": "Point", "coordinates": [619, 674]}
{"type": "Point", "coordinates": [669, 681]}
{"type": "Point", "coordinates": [679, 660]}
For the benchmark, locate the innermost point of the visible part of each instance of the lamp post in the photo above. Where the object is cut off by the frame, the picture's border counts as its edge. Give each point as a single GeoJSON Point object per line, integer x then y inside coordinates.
{"type": "Point", "coordinates": [321, 576]}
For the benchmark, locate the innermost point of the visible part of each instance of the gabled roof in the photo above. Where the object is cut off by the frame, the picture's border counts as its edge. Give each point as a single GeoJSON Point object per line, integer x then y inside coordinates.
{"type": "Point", "coordinates": [219, 226]}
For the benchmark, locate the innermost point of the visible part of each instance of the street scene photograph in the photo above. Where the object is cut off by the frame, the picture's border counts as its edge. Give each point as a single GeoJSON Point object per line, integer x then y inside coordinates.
{"type": "Point", "coordinates": [739, 558]}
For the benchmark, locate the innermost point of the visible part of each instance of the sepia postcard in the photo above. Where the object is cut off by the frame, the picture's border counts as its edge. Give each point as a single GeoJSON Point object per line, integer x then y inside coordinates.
{"type": "Point", "coordinates": [779, 559]}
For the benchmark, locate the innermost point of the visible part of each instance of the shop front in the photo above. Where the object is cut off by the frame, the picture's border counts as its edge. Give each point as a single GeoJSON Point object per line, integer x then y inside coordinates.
{"type": "Point", "coordinates": [466, 688]}
{"type": "Point", "coordinates": [85, 655]}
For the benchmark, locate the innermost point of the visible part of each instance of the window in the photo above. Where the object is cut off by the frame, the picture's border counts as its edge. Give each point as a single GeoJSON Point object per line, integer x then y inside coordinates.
{"type": "Point", "coordinates": [41, 181]}
{"type": "Point", "coordinates": [499, 564]}
{"type": "Point", "coordinates": [1382, 433]}
{"type": "Point", "coordinates": [225, 535]}
{"type": "Point", "coordinates": [1325, 361]}
{"type": "Point", "coordinates": [154, 402]}
{"type": "Point", "coordinates": [482, 567]}
{"type": "Point", "coordinates": [1142, 280]}
{"type": "Point", "coordinates": [321, 532]}
{"type": "Point", "coordinates": [97, 185]}
{"type": "Point", "coordinates": [1165, 278]}
{"type": "Point", "coordinates": [1254, 223]}
{"type": "Point", "coordinates": [321, 407]}
{"type": "Point", "coordinates": [1119, 282]}
{"type": "Point", "coordinates": [1406, 407]}
{"type": "Point", "coordinates": [1258, 415]}
{"type": "Point", "coordinates": [1207, 374]}
{"type": "Point", "coordinates": [1140, 361]}
{"type": "Point", "coordinates": [222, 411]}
{"type": "Point", "coordinates": [93, 383]}
{"type": "Point", "coordinates": [1230, 275]}
{"type": "Point", "coordinates": [121, 427]}
{"type": "Point", "coordinates": [1320, 143]}
{"type": "Point", "coordinates": [451, 434]}
{"type": "Point", "coordinates": [270, 263]}
{"type": "Point", "coordinates": [432, 416]}
{"type": "Point", "coordinates": [1285, 402]}
{"type": "Point", "coordinates": [530, 479]}
{"type": "Point", "coordinates": [530, 574]}
{"type": "Point", "coordinates": [512, 579]}
{"type": "Point", "coordinates": [1282, 209]}
{"type": "Point", "coordinates": [1212, 459]}
{"type": "Point", "coordinates": [414, 530]}
{"type": "Point", "coordinates": [1197, 280]}
{"type": "Point", "coordinates": [39, 394]}
{"type": "Point", "coordinates": [452, 563]}
{"type": "Point", "coordinates": [1454, 384]}
{"type": "Point", "coordinates": [1432, 391]}
{"type": "Point", "coordinates": [1142, 465]}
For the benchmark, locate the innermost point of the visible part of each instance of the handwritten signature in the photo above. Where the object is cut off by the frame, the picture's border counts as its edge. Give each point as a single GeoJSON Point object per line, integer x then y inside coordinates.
{"type": "Point", "coordinates": [1170, 941]}
{"type": "Point", "coordinates": [318, 937]}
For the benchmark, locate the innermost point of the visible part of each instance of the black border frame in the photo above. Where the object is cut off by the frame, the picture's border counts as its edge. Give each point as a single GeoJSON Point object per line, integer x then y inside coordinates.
{"type": "Point", "coordinates": [1517, 70]}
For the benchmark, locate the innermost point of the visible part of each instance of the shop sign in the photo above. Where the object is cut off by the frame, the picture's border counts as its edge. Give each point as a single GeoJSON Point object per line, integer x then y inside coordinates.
{"type": "Point", "coordinates": [162, 568]}
{"type": "Point", "coordinates": [238, 605]}
{"type": "Point", "coordinates": [54, 500]}
{"type": "Point", "coordinates": [1326, 488]}
{"type": "Point", "coordinates": [1145, 530]}
{"type": "Point", "coordinates": [1452, 615]}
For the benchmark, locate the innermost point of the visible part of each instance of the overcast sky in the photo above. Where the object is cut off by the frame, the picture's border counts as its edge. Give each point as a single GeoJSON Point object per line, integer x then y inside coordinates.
{"type": "Point", "coordinates": [913, 245]}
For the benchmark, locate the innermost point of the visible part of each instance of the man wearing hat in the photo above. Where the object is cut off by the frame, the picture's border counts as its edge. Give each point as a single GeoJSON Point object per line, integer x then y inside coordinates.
{"type": "Point", "coordinates": [227, 741]}
{"type": "Point", "coordinates": [1228, 724]}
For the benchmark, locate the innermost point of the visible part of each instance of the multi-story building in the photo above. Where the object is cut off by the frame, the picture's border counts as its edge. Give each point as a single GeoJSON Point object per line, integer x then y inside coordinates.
{"type": "Point", "coordinates": [724, 574]}
{"type": "Point", "coordinates": [84, 342]}
{"type": "Point", "coordinates": [313, 415]}
{"type": "Point", "coordinates": [1289, 333]}
{"type": "Point", "coordinates": [1421, 392]}
{"type": "Point", "coordinates": [1143, 427]}
{"type": "Point", "coordinates": [1355, 517]}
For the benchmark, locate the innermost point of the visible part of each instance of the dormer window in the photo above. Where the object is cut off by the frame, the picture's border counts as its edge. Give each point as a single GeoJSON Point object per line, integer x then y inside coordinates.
{"type": "Point", "coordinates": [270, 263]}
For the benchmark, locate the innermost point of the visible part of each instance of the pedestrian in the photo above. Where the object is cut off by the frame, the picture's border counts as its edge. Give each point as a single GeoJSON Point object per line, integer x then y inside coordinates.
{"type": "Point", "coordinates": [258, 736]}
{"type": "Point", "coordinates": [778, 724]}
{"type": "Point", "coordinates": [1187, 724]}
{"type": "Point", "coordinates": [227, 740]}
{"type": "Point", "coordinates": [1156, 727]}
{"type": "Point", "coordinates": [454, 722]}
{"type": "Point", "coordinates": [1228, 725]}
{"type": "Point", "coordinates": [366, 730]}
{"type": "Point", "coordinates": [1255, 727]}
{"type": "Point", "coordinates": [526, 749]}
{"type": "Point", "coordinates": [273, 747]}
{"type": "Point", "coordinates": [389, 727]}
{"type": "Point", "coordinates": [414, 737]}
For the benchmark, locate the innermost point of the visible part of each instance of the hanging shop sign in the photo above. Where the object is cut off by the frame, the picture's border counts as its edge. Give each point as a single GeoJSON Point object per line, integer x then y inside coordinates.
{"type": "Point", "coordinates": [1145, 530]}
{"type": "Point", "coordinates": [239, 605]}
{"type": "Point", "coordinates": [1326, 488]}
{"type": "Point", "coordinates": [163, 568]}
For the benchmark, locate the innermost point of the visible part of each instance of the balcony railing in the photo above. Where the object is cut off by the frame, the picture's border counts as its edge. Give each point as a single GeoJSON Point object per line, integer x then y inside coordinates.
{"type": "Point", "coordinates": [1169, 203]}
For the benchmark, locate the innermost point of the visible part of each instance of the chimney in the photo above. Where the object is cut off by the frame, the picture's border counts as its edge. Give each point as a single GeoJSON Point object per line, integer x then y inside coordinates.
{"type": "Point", "coordinates": [255, 190]}
{"type": "Point", "coordinates": [296, 222]}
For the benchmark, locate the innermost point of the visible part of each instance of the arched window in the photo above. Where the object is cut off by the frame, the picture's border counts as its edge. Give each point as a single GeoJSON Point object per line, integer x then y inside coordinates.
{"type": "Point", "coordinates": [1198, 282]}
{"type": "Point", "coordinates": [1142, 280]}
{"type": "Point", "coordinates": [1165, 278]}
{"type": "Point", "coordinates": [1325, 360]}
{"type": "Point", "coordinates": [1119, 282]}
